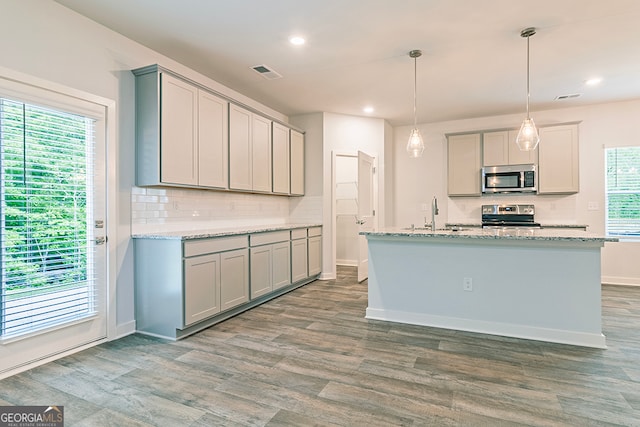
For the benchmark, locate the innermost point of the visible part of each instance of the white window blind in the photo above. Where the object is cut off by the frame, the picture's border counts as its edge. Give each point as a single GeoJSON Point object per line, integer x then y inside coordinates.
{"type": "Point", "coordinates": [46, 159]}
{"type": "Point", "coordinates": [623, 191]}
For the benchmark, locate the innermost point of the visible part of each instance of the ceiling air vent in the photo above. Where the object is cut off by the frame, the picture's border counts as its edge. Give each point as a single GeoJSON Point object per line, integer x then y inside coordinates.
{"type": "Point", "coordinates": [571, 95]}
{"type": "Point", "coordinates": [266, 72]}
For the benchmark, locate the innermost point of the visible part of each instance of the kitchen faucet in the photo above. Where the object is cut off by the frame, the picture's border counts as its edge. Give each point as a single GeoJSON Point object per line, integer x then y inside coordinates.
{"type": "Point", "coordinates": [434, 212]}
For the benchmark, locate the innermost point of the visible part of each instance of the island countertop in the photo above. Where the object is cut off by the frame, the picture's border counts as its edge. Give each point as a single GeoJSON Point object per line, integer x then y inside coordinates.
{"type": "Point", "coordinates": [553, 234]}
{"type": "Point", "coordinates": [532, 283]}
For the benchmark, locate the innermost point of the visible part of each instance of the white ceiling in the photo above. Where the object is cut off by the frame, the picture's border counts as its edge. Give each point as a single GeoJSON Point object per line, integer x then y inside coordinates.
{"type": "Point", "coordinates": [473, 62]}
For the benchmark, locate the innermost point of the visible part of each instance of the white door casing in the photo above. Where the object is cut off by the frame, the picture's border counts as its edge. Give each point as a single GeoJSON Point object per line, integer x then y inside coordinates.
{"type": "Point", "coordinates": [366, 219]}
{"type": "Point", "coordinates": [27, 350]}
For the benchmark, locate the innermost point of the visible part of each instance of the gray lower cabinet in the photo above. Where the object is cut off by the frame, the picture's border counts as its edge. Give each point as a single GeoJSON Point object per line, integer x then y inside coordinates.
{"type": "Point", "coordinates": [270, 262]}
{"type": "Point", "coordinates": [314, 243]}
{"type": "Point", "coordinates": [201, 287]}
{"type": "Point", "coordinates": [234, 278]}
{"type": "Point", "coordinates": [299, 258]}
{"type": "Point", "coordinates": [182, 287]}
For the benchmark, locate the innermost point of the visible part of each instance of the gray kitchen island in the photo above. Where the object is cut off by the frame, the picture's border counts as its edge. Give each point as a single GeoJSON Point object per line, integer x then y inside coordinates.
{"type": "Point", "coordinates": [539, 284]}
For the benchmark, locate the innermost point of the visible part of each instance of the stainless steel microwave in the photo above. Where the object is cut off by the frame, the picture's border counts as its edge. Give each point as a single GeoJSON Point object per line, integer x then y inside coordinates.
{"type": "Point", "coordinates": [510, 179]}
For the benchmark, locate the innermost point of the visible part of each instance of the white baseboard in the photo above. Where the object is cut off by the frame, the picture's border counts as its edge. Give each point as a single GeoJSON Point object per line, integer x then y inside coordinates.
{"type": "Point", "coordinates": [347, 262]}
{"type": "Point", "coordinates": [125, 329]}
{"type": "Point", "coordinates": [492, 328]}
{"type": "Point", "coordinates": [617, 280]}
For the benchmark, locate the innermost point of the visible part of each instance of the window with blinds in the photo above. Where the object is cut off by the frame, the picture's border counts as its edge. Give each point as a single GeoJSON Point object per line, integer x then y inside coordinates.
{"type": "Point", "coordinates": [46, 159]}
{"type": "Point", "coordinates": [623, 191]}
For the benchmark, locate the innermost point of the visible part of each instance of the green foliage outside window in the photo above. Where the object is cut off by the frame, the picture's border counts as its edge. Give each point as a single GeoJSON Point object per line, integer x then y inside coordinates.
{"type": "Point", "coordinates": [43, 190]}
{"type": "Point", "coordinates": [623, 190]}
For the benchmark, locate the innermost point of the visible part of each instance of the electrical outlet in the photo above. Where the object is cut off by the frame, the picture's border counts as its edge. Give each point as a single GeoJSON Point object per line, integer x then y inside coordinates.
{"type": "Point", "coordinates": [424, 207]}
{"type": "Point", "coordinates": [593, 206]}
{"type": "Point", "coordinates": [467, 284]}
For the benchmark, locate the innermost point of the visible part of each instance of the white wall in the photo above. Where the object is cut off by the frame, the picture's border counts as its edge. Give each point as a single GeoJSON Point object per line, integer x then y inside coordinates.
{"type": "Point", "coordinates": [604, 125]}
{"type": "Point", "coordinates": [329, 132]}
{"type": "Point", "coordinates": [51, 42]}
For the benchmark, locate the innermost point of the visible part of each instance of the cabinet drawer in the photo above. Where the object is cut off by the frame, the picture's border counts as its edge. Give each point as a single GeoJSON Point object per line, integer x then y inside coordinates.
{"type": "Point", "coordinates": [315, 231]}
{"type": "Point", "coordinates": [268, 238]}
{"type": "Point", "coordinates": [219, 244]}
{"type": "Point", "coordinates": [299, 233]}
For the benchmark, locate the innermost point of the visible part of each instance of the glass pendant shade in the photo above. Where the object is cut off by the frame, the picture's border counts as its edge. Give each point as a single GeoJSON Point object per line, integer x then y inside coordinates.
{"type": "Point", "coordinates": [415, 146]}
{"type": "Point", "coordinates": [528, 137]}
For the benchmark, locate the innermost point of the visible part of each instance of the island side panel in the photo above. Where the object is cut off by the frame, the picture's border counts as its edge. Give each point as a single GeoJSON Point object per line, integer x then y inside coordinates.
{"type": "Point", "coordinates": [540, 290]}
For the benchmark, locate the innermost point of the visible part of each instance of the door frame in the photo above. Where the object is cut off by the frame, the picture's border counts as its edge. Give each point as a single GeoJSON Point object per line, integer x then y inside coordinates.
{"type": "Point", "coordinates": [334, 222]}
{"type": "Point", "coordinates": [111, 196]}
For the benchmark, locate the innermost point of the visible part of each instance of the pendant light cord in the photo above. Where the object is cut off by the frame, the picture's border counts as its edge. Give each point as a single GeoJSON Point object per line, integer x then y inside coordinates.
{"type": "Point", "coordinates": [528, 91]}
{"type": "Point", "coordinates": [415, 90]}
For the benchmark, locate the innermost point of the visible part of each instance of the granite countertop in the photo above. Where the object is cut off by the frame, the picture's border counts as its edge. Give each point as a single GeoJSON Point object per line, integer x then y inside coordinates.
{"type": "Point", "coordinates": [494, 233]}
{"type": "Point", "coordinates": [219, 232]}
{"type": "Point", "coordinates": [478, 225]}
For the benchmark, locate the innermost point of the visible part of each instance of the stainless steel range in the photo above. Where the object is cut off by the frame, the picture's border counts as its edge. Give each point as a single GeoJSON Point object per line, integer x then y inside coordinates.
{"type": "Point", "coordinates": [500, 216]}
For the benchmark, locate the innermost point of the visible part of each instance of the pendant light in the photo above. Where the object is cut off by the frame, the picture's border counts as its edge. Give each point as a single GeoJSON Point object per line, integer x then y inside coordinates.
{"type": "Point", "coordinates": [415, 146]}
{"type": "Point", "coordinates": [528, 137]}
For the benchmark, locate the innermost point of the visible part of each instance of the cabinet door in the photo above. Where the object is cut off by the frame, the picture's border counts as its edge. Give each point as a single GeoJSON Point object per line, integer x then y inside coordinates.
{"type": "Point", "coordinates": [261, 262]}
{"type": "Point", "coordinates": [281, 267]}
{"type": "Point", "coordinates": [495, 148]}
{"type": "Point", "coordinates": [500, 148]}
{"type": "Point", "coordinates": [516, 155]}
{"type": "Point", "coordinates": [280, 159]}
{"type": "Point", "coordinates": [298, 260]}
{"type": "Point", "coordinates": [213, 141]}
{"type": "Point", "coordinates": [261, 154]}
{"type": "Point", "coordinates": [234, 278]}
{"type": "Point", "coordinates": [297, 163]}
{"type": "Point", "coordinates": [464, 164]}
{"type": "Point", "coordinates": [239, 148]}
{"type": "Point", "coordinates": [558, 170]}
{"type": "Point", "coordinates": [178, 140]}
{"type": "Point", "coordinates": [315, 255]}
{"type": "Point", "coordinates": [201, 288]}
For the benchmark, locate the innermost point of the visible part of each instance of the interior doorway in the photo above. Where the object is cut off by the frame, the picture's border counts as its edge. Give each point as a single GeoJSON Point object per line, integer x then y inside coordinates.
{"type": "Point", "coordinates": [354, 207]}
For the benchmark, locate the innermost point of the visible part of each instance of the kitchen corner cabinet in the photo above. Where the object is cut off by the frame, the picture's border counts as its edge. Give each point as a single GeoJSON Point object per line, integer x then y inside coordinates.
{"type": "Point", "coordinates": [297, 163]}
{"type": "Point", "coordinates": [464, 164]}
{"type": "Point", "coordinates": [281, 159]}
{"type": "Point", "coordinates": [500, 148]}
{"type": "Point", "coordinates": [181, 133]}
{"type": "Point", "coordinates": [249, 151]}
{"type": "Point", "coordinates": [558, 167]}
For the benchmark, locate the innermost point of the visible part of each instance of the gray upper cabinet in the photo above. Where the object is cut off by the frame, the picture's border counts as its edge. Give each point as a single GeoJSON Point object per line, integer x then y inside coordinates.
{"type": "Point", "coordinates": [240, 171]}
{"type": "Point", "coordinates": [189, 136]}
{"type": "Point", "coordinates": [281, 159]}
{"type": "Point", "coordinates": [558, 171]}
{"type": "Point", "coordinates": [499, 148]}
{"type": "Point", "coordinates": [181, 133]}
{"type": "Point", "coordinates": [213, 141]}
{"type": "Point", "coordinates": [464, 165]}
{"type": "Point", "coordinates": [249, 151]}
{"type": "Point", "coordinates": [297, 163]}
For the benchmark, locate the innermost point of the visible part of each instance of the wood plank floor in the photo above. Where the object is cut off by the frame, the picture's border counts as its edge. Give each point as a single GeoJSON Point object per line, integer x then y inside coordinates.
{"type": "Point", "coordinates": [310, 358]}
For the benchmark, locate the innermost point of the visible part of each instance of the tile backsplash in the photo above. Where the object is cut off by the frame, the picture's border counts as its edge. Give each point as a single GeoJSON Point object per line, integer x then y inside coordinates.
{"type": "Point", "coordinates": [170, 209]}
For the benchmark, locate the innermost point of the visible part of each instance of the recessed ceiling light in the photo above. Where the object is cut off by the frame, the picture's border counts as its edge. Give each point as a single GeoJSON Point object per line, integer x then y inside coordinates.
{"type": "Point", "coordinates": [368, 110]}
{"type": "Point", "coordinates": [297, 40]}
{"type": "Point", "coordinates": [593, 81]}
